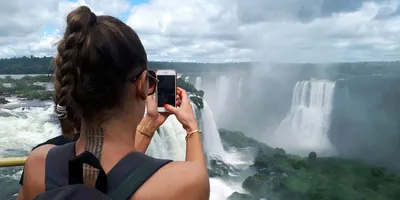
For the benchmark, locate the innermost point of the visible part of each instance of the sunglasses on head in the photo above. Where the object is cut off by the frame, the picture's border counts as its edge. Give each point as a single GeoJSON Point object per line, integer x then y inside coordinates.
{"type": "Point", "coordinates": [151, 78]}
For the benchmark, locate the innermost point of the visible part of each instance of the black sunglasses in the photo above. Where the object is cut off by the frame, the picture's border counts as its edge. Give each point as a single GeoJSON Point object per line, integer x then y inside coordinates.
{"type": "Point", "coordinates": [151, 78]}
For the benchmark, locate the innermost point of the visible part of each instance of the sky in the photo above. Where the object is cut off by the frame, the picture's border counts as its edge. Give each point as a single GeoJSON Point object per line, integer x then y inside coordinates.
{"type": "Point", "coordinates": [221, 30]}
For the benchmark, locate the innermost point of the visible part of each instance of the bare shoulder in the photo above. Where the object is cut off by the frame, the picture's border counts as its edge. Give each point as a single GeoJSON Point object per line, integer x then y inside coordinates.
{"type": "Point", "coordinates": [34, 172]}
{"type": "Point", "coordinates": [176, 180]}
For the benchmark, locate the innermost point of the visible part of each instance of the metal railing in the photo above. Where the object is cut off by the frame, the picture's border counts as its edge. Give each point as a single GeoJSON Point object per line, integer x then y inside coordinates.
{"type": "Point", "coordinates": [12, 162]}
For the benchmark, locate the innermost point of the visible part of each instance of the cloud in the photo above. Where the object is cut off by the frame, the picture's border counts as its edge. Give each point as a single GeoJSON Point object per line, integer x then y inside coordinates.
{"type": "Point", "coordinates": [223, 30]}
{"type": "Point", "coordinates": [296, 10]}
{"type": "Point", "coordinates": [34, 27]}
{"type": "Point", "coordinates": [281, 31]}
{"type": "Point", "coordinates": [20, 18]}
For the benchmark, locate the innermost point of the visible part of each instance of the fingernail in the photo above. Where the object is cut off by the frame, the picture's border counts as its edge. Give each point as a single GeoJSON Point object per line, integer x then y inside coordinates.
{"type": "Point", "coordinates": [165, 105]}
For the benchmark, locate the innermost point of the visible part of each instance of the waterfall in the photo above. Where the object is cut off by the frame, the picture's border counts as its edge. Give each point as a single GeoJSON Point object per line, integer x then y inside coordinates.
{"type": "Point", "coordinates": [170, 142]}
{"type": "Point", "coordinates": [239, 89]}
{"type": "Point", "coordinates": [187, 79]}
{"type": "Point", "coordinates": [223, 92]}
{"type": "Point", "coordinates": [212, 144]}
{"type": "Point", "coordinates": [198, 83]}
{"type": "Point", "coordinates": [307, 124]}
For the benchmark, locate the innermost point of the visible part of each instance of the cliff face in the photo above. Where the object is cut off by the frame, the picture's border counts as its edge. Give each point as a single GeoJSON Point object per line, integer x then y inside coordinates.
{"type": "Point", "coordinates": [365, 119]}
{"type": "Point", "coordinates": [281, 176]}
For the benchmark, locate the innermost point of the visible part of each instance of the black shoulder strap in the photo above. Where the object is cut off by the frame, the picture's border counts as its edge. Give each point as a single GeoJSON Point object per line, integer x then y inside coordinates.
{"type": "Point", "coordinates": [56, 167]}
{"type": "Point", "coordinates": [138, 167]}
{"type": "Point", "coordinates": [75, 168]}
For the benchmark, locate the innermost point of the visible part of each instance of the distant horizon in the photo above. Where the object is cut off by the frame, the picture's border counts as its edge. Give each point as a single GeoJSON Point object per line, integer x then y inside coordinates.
{"type": "Point", "coordinates": [241, 62]}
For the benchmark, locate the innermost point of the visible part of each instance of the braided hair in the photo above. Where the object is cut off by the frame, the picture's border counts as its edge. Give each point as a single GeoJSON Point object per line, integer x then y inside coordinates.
{"type": "Point", "coordinates": [96, 56]}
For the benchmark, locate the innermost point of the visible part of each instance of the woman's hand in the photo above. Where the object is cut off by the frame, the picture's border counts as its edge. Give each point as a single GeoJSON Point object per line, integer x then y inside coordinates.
{"type": "Point", "coordinates": [184, 113]}
{"type": "Point", "coordinates": [156, 119]}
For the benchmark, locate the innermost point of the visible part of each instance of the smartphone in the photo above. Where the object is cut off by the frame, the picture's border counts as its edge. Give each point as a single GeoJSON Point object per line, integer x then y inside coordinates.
{"type": "Point", "coordinates": [166, 88]}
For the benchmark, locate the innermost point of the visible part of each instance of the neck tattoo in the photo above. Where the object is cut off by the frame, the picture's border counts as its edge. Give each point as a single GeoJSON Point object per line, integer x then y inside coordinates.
{"type": "Point", "coordinates": [94, 144]}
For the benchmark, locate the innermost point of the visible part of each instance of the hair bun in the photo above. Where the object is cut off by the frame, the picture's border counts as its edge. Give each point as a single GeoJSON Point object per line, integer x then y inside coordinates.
{"type": "Point", "coordinates": [80, 18]}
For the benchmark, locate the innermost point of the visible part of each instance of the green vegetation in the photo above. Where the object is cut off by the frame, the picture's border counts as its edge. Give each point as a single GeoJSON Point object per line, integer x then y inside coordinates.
{"type": "Point", "coordinates": [37, 65]}
{"type": "Point", "coordinates": [199, 94]}
{"type": "Point", "coordinates": [26, 87]}
{"type": "Point", "coordinates": [25, 65]}
{"type": "Point", "coordinates": [282, 176]}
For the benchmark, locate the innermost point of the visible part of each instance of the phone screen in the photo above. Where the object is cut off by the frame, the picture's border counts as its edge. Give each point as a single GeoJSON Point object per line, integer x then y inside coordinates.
{"type": "Point", "coordinates": [166, 90]}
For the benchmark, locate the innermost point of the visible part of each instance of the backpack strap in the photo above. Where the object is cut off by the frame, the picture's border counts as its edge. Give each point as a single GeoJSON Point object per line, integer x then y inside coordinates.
{"type": "Point", "coordinates": [75, 169]}
{"type": "Point", "coordinates": [122, 180]}
{"type": "Point", "coordinates": [132, 171]}
{"type": "Point", "coordinates": [56, 167]}
{"type": "Point", "coordinates": [80, 191]}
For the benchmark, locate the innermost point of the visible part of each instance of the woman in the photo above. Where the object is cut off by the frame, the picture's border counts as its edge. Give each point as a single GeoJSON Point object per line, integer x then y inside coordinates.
{"type": "Point", "coordinates": [102, 78]}
{"type": "Point", "coordinates": [151, 117]}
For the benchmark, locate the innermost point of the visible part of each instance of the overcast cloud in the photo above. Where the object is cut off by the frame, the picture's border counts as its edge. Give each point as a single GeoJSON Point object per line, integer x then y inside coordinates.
{"type": "Point", "coordinates": [222, 30]}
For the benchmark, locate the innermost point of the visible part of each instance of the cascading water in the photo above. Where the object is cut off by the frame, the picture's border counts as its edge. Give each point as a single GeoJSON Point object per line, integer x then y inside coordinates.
{"type": "Point", "coordinates": [170, 138]}
{"type": "Point", "coordinates": [239, 91]}
{"type": "Point", "coordinates": [211, 140]}
{"type": "Point", "coordinates": [187, 79]}
{"type": "Point", "coordinates": [198, 83]}
{"type": "Point", "coordinates": [23, 128]}
{"type": "Point", "coordinates": [306, 126]}
{"type": "Point", "coordinates": [169, 141]}
{"type": "Point", "coordinates": [223, 93]}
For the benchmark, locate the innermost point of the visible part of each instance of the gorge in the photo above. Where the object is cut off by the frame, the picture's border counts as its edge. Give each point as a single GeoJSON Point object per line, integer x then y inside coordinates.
{"type": "Point", "coordinates": [292, 119]}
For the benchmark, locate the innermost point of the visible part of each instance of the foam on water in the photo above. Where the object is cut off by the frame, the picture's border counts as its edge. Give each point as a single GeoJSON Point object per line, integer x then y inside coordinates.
{"type": "Point", "coordinates": [24, 128]}
{"type": "Point", "coordinates": [198, 83]}
{"type": "Point", "coordinates": [220, 189]}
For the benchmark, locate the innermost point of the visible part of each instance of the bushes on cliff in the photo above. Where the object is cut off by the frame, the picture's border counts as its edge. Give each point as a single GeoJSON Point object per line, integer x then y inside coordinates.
{"type": "Point", "coordinates": [281, 176]}
{"type": "Point", "coordinates": [198, 95]}
{"type": "Point", "coordinates": [26, 87]}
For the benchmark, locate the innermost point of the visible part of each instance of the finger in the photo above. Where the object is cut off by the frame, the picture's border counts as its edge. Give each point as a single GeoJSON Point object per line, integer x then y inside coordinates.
{"type": "Point", "coordinates": [184, 96]}
{"type": "Point", "coordinates": [165, 114]}
{"type": "Point", "coordinates": [148, 99]}
{"type": "Point", "coordinates": [178, 95]}
{"type": "Point", "coordinates": [171, 109]}
{"type": "Point", "coordinates": [178, 103]}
